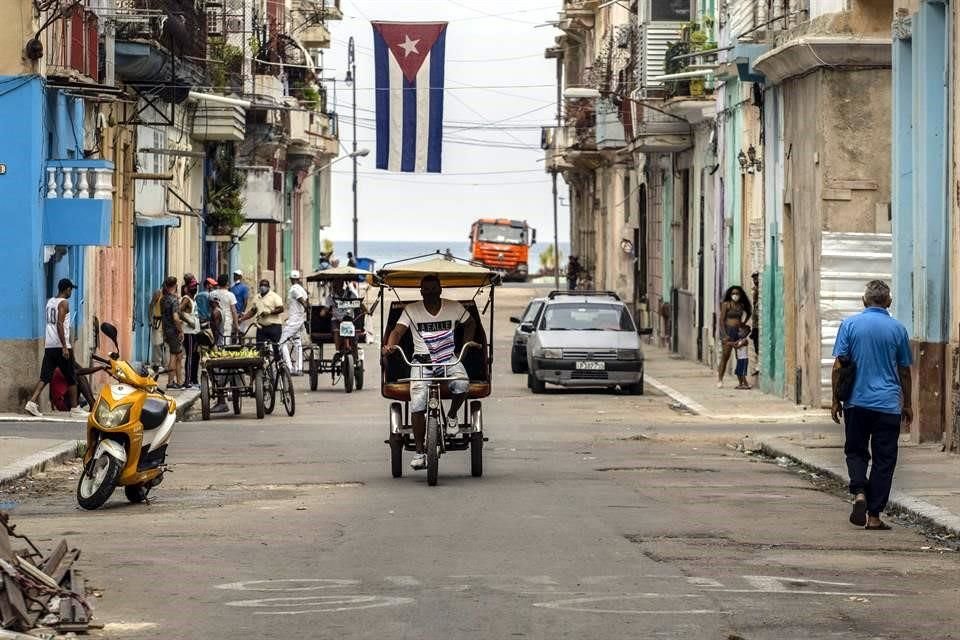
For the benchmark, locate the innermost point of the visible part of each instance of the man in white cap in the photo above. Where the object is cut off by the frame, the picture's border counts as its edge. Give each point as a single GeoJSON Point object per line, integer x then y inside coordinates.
{"type": "Point", "coordinates": [241, 292]}
{"type": "Point", "coordinates": [297, 305]}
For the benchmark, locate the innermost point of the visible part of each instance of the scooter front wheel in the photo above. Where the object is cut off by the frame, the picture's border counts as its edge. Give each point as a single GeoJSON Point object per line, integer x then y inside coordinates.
{"type": "Point", "coordinates": [98, 481]}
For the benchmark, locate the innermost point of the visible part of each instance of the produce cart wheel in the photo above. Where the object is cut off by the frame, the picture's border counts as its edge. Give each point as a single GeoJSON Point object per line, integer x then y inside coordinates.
{"type": "Point", "coordinates": [396, 455]}
{"type": "Point", "coordinates": [235, 381]}
{"type": "Point", "coordinates": [258, 394]}
{"type": "Point", "coordinates": [433, 450]}
{"type": "Point", "coordinates": [205, 395]}
{"type": "Point", "coordinates": [314, 372]}
{"type": "Point", "coordinates": [358, 377]}
{"type": "Point", "coordinates": [269, 389]}
{"type": "Point", "coordinates": [476, 455]}
{"type": "Point", "coordinates": [286, 392]}
{"type": "Point", "coordinates": [348, 369]}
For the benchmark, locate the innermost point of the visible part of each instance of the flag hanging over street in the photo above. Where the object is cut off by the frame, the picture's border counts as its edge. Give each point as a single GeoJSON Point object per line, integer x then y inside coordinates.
{"type": "Point", "coordinates": [409, 60]}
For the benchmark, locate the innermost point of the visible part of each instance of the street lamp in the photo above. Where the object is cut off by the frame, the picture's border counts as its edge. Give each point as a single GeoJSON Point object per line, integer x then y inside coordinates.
{"type": "Point", "coordinates": [572, 93]}
{"type": "Point", "coordinates": [351, 80]}
{"type": "Point", "coordinates": [356, 154]}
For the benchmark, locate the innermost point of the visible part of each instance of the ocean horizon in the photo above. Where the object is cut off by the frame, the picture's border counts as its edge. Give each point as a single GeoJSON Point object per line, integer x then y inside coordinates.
{"type": "Point", "coordinates": [384, 251]}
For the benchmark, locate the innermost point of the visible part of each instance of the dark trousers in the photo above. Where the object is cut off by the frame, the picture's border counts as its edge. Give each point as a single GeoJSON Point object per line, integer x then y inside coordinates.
{"type": "Point", "coordinates": [191, 363]}
{"type": "Point", "coordinates": [877, 433]}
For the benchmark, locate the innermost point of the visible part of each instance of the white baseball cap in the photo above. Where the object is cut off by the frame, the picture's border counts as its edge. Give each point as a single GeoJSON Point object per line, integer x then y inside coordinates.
{"type": "Point", "coordinates": [294, 275]}
{"type": "Point", "coordinates": [237, 272]}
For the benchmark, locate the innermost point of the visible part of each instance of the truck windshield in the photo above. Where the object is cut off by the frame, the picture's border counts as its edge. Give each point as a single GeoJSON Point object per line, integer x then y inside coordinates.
{"type": "Point", "coordinates": [586, 317]}
{"type": "Point", "coordinates": [501, 233]}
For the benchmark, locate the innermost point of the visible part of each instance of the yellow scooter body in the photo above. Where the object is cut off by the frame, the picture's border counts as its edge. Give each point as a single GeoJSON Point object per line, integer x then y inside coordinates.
{"type": "Point", "coordinates": [117, 416]}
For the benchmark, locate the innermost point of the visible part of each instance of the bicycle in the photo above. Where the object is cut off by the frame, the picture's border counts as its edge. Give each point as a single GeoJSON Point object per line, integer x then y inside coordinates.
{"type": "Point", "coordinates": [277, 378]}
{"type": "Point", "coordinates": [436, 438]}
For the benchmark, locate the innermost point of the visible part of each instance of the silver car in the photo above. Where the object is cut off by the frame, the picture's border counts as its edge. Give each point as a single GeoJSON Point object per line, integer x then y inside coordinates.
{"type": "Point", "coordinates": [585, 339]}
{"type": "Point", "coordinates": [524, 322]}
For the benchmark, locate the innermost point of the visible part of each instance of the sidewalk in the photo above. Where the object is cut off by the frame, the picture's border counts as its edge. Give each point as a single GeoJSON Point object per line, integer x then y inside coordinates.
{"type": "Point", "coordinates": [927, 481]}
{"type": "Point", "coordinates": [695, 387]}
{"type": "Point", "coordinates": [28, 444]}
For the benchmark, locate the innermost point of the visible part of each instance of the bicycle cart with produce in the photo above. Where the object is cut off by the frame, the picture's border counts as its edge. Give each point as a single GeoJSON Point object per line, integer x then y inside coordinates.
{"type": "Point", "coordinates": [472, 286]}
{"type": "Point", "coordinates": [234, 372]}
{"type": "Point", "coordinates": [345, 363]}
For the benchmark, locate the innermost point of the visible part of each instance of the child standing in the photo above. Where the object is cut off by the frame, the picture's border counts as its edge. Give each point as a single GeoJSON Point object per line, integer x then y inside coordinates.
{"type": "Point", "coordinates": [743, 356]}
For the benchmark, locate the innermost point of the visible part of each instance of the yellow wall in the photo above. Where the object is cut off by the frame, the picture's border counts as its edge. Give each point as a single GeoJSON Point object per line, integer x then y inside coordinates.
{"type": "Point", "coordinates": [16, 27]}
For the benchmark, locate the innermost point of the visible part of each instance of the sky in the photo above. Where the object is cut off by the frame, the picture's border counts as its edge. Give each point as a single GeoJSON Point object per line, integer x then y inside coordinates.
{"type": "Point", "coordinates": [499, 91]}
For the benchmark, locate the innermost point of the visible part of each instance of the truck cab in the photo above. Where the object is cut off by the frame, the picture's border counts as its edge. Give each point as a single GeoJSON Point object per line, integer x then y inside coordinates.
{"type": "Point", "coordinates": [503, 245]}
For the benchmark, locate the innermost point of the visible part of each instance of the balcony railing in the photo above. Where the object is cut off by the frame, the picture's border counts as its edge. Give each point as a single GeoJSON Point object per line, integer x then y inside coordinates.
{"type": "Point", "coordinates": [178, 25]}
{"type": "Point", "coordinates": [78, 205]}
{"type": "Point", "coordinates": [71, 43]}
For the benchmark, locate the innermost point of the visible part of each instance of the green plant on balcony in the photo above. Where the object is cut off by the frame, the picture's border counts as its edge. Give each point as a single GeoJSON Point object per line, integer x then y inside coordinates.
{"type": "Point", "coordinates": [225, 200]}
{"type": "Point", "coordinates": [226, 66]}
{"type": "Point", "coordinates": [309, 96]}
{"type": "Point", "coordinates": [694, 37]}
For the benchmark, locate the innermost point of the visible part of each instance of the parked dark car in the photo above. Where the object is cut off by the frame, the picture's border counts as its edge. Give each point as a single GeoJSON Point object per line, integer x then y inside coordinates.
{"type": "Point", "coordinates": [524, 322]}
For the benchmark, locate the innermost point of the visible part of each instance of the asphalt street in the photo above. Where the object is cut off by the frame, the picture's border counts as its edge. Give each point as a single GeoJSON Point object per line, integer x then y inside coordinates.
{"type": "Point", "coordinates": [599, 516]}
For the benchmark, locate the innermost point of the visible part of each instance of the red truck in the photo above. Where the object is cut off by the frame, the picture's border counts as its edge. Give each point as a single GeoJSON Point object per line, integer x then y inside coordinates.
{"type": "Point", "coordinates": [503, 245]}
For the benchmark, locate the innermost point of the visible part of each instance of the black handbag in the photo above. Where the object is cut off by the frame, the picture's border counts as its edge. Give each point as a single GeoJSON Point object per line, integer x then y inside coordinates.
{"type": "Point", "coordinates": [846, 376]}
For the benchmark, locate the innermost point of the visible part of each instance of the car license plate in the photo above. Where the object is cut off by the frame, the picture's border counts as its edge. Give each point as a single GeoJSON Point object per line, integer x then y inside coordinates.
{"type": "Point", "coordinates": [589, 365]}
{"type": "Point", "coordinates": [347, 330]}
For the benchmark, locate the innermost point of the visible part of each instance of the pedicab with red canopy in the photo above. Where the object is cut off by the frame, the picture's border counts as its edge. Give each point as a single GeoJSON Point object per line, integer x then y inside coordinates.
{"type": "Point", "coordinates": [472, 285]}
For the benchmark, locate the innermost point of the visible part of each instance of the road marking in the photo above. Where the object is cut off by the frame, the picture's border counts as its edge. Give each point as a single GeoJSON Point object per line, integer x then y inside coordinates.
{"type": "Point", "coordinates": [278, 584]}
{"type": "Point", "coordinates": [705, 582]}
{"type": "Point", "coordinates": [777, 584]}
{"type": "Point", "coordinates": [685, 400]}
{"type": "Point", "coordinates": [576, 604]}
{"type": "Point", "coordinates": [403, 581]}
{"type": "Point", "coordinates": [326, 604]}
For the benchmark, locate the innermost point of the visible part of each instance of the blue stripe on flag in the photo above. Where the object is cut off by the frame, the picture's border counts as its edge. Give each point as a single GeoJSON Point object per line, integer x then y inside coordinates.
{"type": "Point", "coordinates": [435, 145]}
{"type": "Point", "coordinates": [382, 64]}
{"type": "Point", "coordinates": [409, 160]}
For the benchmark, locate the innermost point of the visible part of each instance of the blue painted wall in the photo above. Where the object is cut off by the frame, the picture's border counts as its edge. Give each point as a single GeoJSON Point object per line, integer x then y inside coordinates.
{"type": "Point", "coordinates": [920, 141]}
{"type": "Point", "coordinates": [36, 124]}
{"type": "Point", "coordinates": [22, 109]}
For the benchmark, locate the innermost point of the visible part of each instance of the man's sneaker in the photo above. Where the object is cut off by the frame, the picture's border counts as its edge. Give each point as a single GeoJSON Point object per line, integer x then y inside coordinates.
{"type": "Point", "coordinates": [419, 462]}
{"type": "Point", "coordinates": [33, 409]}
{"type": "Point", "coordinates": [77, 412]}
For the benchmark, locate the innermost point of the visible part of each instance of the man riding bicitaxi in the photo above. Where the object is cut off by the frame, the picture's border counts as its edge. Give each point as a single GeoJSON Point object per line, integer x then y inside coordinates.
{"type": "Point", "coordinates": [337, 306]}
{"type": "Point", "coordinates": [433, 322]}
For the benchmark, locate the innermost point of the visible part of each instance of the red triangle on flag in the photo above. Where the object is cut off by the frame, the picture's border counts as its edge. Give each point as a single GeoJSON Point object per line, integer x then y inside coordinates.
{"type": "Point", "coordinates": [410, 42]}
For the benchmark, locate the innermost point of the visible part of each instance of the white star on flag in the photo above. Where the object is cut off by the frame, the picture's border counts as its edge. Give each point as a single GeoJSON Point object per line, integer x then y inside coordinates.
{"type": "Point", "coordinates": [409, 46]}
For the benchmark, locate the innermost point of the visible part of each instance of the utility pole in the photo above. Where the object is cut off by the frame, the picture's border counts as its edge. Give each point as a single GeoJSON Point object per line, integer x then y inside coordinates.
{"type": "Point", "coordinates": [352, 80]}
{"type": "Point", "coordinates": [556, 204]}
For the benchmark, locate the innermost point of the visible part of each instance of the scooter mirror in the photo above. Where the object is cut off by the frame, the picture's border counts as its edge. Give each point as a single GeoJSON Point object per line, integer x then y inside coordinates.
{"type": "Point", "coordinates": [111, 332]}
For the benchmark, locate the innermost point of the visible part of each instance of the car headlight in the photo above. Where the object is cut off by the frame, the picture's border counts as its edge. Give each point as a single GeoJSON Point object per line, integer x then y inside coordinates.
{"type": "Point", "coordinates": [112, 418]}
{"type": "Point", "coordinates": [628, 354]}
{"type": "Point", "coordinates": [550, 354]}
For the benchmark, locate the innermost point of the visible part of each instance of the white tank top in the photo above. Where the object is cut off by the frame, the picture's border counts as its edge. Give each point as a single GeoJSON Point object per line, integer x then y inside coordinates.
{"type": "Point", "coordinates": [52, 338]}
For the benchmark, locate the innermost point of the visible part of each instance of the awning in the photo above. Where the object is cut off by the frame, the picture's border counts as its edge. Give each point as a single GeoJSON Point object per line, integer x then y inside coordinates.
{"type": "Point", "coordinates": [339, 273]}
{"type": "Point", "coordinates": [452, 274]}
{"type": "Point", "coordinates": [142, 220]}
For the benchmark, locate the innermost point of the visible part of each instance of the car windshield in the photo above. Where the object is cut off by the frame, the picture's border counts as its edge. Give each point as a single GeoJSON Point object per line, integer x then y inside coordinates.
{"type": "Point", "coordinates": [532, 310]}
{"type": "Point", "coordinates": [501, 233]}
{"type": "Point", "coordinates": [586, 317]}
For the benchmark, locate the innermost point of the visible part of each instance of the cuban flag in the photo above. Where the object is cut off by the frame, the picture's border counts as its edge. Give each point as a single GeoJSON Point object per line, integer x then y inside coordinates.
{"type": "Point", "coordinates": [409, 59]}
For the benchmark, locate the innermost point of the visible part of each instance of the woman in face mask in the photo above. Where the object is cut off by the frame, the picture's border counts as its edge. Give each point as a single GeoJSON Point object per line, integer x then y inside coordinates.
{"type": "Point", "coordinates": [735, 312]}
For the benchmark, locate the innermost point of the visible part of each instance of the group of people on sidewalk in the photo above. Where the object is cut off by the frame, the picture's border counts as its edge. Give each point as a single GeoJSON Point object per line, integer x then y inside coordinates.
{"type": "Point", "coordinates": [225, 315]}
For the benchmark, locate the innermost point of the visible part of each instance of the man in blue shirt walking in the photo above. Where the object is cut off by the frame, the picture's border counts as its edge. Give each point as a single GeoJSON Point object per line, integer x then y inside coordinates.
{"type": "Point", "coordinates": [240, 291]}
{"type": "Point", "coordinates": [879, 348]}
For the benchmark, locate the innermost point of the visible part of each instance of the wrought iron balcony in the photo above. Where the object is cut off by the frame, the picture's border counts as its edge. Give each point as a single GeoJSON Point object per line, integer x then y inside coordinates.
{"type": "Point", "coordinates": [71, 43]}
{"type": "Point", "coordinates": [177, 25]}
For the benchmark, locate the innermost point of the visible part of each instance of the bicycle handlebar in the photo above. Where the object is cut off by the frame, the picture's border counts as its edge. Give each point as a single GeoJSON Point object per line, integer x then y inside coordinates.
{"type": "Point", "coordinates": [468, 345]}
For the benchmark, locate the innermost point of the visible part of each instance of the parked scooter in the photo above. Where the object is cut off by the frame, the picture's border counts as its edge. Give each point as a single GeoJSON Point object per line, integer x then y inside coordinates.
{"type": "Point", "coordinates": [127, 433]}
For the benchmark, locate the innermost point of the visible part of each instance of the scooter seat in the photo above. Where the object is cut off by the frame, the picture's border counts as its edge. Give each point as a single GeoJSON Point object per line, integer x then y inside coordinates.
{"type": "Point", "coordinates": [153, 413]}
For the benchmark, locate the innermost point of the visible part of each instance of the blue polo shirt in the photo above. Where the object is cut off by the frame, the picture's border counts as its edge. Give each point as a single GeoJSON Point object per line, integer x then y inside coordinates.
{"type": "Point", "coordinates": [241, 292]}
{"type": "Point", "coordinates": [878, 344]}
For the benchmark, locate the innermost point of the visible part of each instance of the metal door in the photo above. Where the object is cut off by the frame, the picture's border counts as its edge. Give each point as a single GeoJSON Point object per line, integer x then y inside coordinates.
{"type": "Point", "coordinates": [150, 262]}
